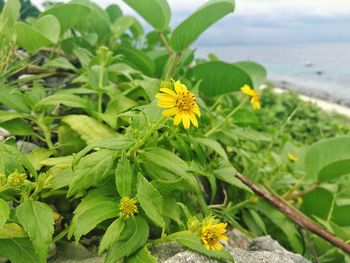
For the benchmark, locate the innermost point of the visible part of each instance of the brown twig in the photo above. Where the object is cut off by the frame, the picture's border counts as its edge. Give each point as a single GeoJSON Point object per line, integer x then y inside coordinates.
{"type": "Point", "coordinates": [295, 215]}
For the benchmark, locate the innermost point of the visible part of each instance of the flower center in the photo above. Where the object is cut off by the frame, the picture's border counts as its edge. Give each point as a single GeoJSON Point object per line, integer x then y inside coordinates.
{"type": "Point", "coordinates": [185, 101]}
{"type": "Point", "coordinates": [128, 207]}
{"type": "Point", "coordinates": [211, 236]}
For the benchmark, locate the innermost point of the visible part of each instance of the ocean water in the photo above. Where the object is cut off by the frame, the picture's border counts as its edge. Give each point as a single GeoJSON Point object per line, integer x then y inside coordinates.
{"type": "Point", "coordinates": [318, 69]}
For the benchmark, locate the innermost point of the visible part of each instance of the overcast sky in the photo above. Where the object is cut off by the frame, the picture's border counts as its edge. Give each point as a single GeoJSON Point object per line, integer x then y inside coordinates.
{"type": "Point", "coordinates": [267, 21]}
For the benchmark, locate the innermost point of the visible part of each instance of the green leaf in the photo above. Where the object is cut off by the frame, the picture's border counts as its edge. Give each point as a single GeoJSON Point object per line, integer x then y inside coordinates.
{"type": "Point", "coordinates": [68, 15]}
{"type": "Point", "coordinates": [12, 230]}
{"type": "Point", "coordinates": [8, 116]}
{"type": "Point", "coordinates": [68, 100]}
{"type": "Point", "coordinates": [114, 12]}
{"type": "Point", "coordinates": [38, 155]}
{"type": "Point", "coordinates": [93, 210]}
{"type": "Point", "coordinates": [214, 145]}
{"type": "Point", "coordinates": [193, 242]}
{"type": "Point", "coordinates": [112, 235]}
{"type": "Point", "coordinates": [156, 12]}
{"type": "Point", "coordinates": [91, 170]}
{"type": "Point", "coordinates": [44, 32]}
{"type": "Point", "coordinates": [190, 29]}
{"type": "Point", "coordinates": [142, 256]}
{"type": "Point", "coordinates": [150, 200]}
{"type": "Point", "coordinates": [13, 99]}
{"type": "Point", "coordinates": [218, 78]}
{"type": "Point", "coordinates": [112, 144]}
{"type": "Point", "coordinates": [8, 17]}
{"type": "Point", "coordinates": [137, 59]}
{"type": "Point", "coordinates": [4, 212]}
{"type": "Point", "coordinates": [18, 250]}
{"type": "Point", "coordinates": [37, 220]}
{"type": "Point", "coordinates": [328, 159]}
{"type": "Point", "coordinates": [288, 228]}
{"type": "Point", "coordinates": [60, 62]}
{"type": "Point", "coordinates": [133, 237]}
{"type": "Point", "coordinates": [226, 172]}
{"type": "Point", "coordinates": [123, 176]}
{"type": "Point", "coordinates": [311, 201]}
{"type": "Point", "coordinates": [121, 25]}
{"type": "Point", "coordinates": [256, 72]}
{"type": "Point", "coordinates": [17, 127]}
{"type": "Point", "coordinates": [89, 128]}
{"type": "Point", "coordinates": [18, 157]}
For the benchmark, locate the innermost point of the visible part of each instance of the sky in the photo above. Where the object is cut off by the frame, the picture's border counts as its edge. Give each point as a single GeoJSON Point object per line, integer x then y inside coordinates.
{"type": "Point", "coordinates": [266, 21]}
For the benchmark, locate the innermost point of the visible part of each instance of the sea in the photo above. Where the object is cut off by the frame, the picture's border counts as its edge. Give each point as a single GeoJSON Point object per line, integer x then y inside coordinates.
{"type": "Point", "coordinates": [317, 69]}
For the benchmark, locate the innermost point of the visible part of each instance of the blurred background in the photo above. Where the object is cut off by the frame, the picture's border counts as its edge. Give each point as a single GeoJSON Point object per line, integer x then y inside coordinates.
{"type": "Point", "coordinates": [305, 45]}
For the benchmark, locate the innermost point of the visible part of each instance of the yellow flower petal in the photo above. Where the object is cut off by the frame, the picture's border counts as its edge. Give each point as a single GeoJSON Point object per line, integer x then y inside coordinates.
{"type": "Point", "coordinates": [165, 104]}
{"type": "Point", "coordinates": [169, 91]}
{"type": "Point", "coordinates": [255, 101]}
{"type": "Point", "coordinates": [186, 121]}
{"type": "Point", "coordinates": [223, 237]}
{"type": "Point", "coordinates": [164, 96]}
{"type": "Point", "coordinates": [177, 86]}
{"type": "Point", "coordinates": [177, 118]}
{"type": "Point", "coordinates": [248, 90]}
{"type": "Point", "coordinates": [170, 112]}
{"type": "Point", "coordinates": [193, 120]}
{"type": "Point", "coordinates": [196, 110]}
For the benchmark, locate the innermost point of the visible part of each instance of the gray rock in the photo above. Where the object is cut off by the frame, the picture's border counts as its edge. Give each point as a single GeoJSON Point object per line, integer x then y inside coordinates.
{"type": "Point", "coordinates": [68, 252]}
{"type": "Point", "coordinates": [26, 147]}
{"type": "Point", "coordinates": [243, 250]}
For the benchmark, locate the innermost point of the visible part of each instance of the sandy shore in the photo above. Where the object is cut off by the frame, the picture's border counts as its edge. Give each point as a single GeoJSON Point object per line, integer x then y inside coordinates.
{"type": "Point", "coordinates": [322, 104]}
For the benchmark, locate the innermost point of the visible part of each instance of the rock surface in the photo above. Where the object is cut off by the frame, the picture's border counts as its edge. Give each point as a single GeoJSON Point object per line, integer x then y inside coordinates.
{"type": "Point", "coordinates": [259, 250]}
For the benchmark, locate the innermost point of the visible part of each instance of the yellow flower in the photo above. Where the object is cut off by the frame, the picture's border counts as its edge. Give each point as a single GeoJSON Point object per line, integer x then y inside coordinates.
{"type": "Point", "coordinates": [254, 96]}
{"type": "Point", "coordinates": [128, 207]}
{"type": "Point", "coordinates": [292, 158]}
{"type": "Point", "coordinates": [181, 103]}
{"type": "Point", "coordinates": [212, 234]}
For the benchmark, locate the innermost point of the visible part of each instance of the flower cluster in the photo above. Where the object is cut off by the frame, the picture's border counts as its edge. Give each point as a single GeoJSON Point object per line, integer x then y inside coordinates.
{"type": "Point", "coordinates": [128, 207]}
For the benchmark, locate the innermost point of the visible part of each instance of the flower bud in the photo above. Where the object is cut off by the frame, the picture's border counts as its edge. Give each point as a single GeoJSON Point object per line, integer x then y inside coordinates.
{"type": "Point", "coordinates": [193, 225]}
{"type": "Point", "coordinates": [16, 179]}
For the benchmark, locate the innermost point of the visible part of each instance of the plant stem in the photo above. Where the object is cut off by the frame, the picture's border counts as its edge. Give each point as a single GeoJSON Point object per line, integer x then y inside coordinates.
{"type": "Point", "coordinates": [100, 92]}
{"type": "Point", "coordinates": [166, 44]}
{"type": "Point", "coordinates": [143, 140]}
{"type": "Point", "coordinates": [217, 126]}
{"type": "Point", "coordinates": [295, 215]}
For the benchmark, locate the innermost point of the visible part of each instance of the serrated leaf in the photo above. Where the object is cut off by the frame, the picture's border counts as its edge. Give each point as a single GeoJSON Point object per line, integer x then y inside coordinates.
{"type": "Point", "coordinates": [150, 200]}
{"type": "Point", "coordinates": [111, 235]}
{"type": "Point", "coordinates": [156, 12]}
{"type": "Point", "coordinates": [214, 145]}
{"type": "Point", "coordinates": [18, 250]}
{"type": "Point", "coordinates": [60, 62]}
{"type": "Point", "coordinates": [37, 220]}
{"type": "Point", "coordinates": [123, 176]}
{"type": "Point", "coordinates": [4, 212]}
{"type": "Point", "coordinates": [12, 230]}
{"type": "Point", "coordinates": [190, 29]}
{"type": "Point", "coordinates": [93, 210]}
{"type": "Point", "coordinates": [89, 129]}
{"type": "Point", "coordinates": [193, 242]}
{"type": "Point", "coordinates": [13, 99]}
{"type": "Point", "coordinates": [142, 256]}
{"type": "Point", "coordinates": [68, 100]}
{"type": "Point", "coordinates": [91, 170]}
{"type": "Point", "coordinates": [133, 237]}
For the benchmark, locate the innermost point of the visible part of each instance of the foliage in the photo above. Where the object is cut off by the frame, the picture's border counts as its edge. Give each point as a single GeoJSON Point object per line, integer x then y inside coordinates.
{"type": "Point", "coordinates": [79, 83]}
